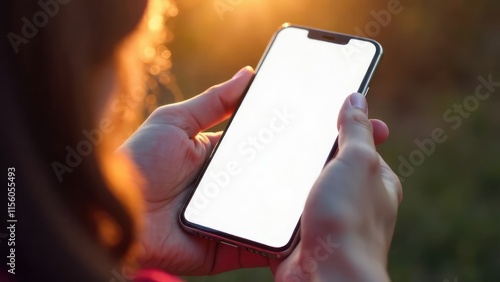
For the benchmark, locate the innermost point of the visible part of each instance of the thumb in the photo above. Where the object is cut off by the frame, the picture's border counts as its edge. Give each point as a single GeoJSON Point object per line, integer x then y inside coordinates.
{"type": "Point", "coordinates": [216, 104]}
{"type": "Point", "coordinates": [353, 123]}
{"type": "Point", "coordinates": [209, 108]}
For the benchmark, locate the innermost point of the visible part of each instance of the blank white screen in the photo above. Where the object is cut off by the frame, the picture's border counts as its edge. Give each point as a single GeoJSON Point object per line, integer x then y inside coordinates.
{"type": "Point", "coordinates": [259, 178]}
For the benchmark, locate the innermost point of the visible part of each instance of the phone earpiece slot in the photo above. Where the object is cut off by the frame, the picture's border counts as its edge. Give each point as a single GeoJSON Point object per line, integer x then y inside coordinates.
{"type": "Point", "coordinates": [325, 36]}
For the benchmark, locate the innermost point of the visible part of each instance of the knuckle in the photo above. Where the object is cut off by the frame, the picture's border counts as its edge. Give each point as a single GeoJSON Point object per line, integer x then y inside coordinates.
{"type": "Point", "coordinates": [393, 182]}
{"type": "Point", "coordinates": [159, 111]}
{"type": "Point", "coordinates": [365, 157]}
{"type": "Point", "coordinates": [363, 121]}
{"type": "Point", "coordinates": [216, 97]}
{"type": "Point", "coordinates": [165, 110]}
{"type": "Point", "coordinates": [166, 114]}
{"type": "Point", "coordinates": [398, 188]}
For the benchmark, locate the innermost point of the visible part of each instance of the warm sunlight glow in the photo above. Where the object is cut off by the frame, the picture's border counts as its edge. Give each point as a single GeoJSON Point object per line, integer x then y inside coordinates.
{"type": "Point", "coordinates": [154, 51]}
{"type": "Point", "coordinates": [155, 23]}
{"type": "Point", "coordinates": [149, 52]}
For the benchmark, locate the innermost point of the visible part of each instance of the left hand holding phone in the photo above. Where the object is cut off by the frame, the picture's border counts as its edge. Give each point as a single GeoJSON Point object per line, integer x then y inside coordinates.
{"type": "Point", "coordinates": [169, 150]}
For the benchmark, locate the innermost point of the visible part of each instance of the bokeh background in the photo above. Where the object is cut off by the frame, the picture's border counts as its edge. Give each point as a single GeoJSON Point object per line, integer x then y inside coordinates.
{"type": "Point", "coordinates": [435, 54]}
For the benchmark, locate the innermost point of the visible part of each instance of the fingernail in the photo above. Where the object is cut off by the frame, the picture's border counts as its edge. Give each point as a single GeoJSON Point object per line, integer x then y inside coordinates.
{"type": "Point", "coordinates": [358, 101]}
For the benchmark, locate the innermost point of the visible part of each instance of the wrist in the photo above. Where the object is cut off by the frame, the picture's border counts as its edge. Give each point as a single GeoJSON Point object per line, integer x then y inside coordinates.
{"type": "Point", "coordinates": [349, 260]}
{"type": "Point", "coordinates": [353, 261]}
{"type": "Point", "coordinates": [347, 268]}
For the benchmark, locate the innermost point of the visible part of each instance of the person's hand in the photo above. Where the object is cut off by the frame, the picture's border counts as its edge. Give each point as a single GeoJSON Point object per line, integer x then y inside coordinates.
{"type": "Point", "coordinates": [349, 217]}
{"type": "Point", "coordinates": [169, 151]}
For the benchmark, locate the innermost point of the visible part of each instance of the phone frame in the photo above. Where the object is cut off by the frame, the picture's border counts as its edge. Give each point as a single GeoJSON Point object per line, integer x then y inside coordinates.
{"type": "Point", "coordinates": [255, 247]}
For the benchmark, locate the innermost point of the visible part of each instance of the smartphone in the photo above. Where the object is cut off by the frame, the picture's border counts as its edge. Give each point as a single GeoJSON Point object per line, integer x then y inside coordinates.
{"type": "Point", "coordinates": [252, 190]}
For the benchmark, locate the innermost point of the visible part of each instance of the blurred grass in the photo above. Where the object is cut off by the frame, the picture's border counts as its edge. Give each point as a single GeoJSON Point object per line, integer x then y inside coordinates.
{"type": "Point", "coordinates": [449, 222]}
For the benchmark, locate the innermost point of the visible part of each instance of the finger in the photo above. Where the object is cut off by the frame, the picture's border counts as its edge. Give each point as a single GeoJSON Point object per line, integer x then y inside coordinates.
{"type": "Point", "coordinates": [214, 105]}
{"type": "Point", "coordinates": [228, 258]}
{"type": "Point", "coordinates": [380, 131]}
{"type": "Point", "coordinates": [353, 122]}
{"type": "Point", "coordinates": [214, 137]}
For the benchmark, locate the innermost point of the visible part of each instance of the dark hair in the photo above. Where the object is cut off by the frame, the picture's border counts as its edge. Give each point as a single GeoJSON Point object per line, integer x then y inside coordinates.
{"type": "Point", "coordinates": [51, 52]}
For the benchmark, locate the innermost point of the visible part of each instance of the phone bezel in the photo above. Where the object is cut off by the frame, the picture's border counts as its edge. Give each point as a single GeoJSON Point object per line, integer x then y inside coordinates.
{"type": "Point", "coordinates": [252, 246]}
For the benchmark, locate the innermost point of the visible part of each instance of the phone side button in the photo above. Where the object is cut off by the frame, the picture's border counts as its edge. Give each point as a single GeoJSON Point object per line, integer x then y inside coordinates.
{"type": "Point", "coordinates": [229, 244]}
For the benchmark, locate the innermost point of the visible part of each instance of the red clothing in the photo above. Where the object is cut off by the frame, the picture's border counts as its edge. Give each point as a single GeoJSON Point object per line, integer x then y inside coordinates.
{"type": "Point", "coordinates": [154, 275]}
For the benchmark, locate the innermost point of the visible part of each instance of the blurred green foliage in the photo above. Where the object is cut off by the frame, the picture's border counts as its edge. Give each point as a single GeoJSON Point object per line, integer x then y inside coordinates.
{"type": "Point", "coordinates": [449, 223]}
